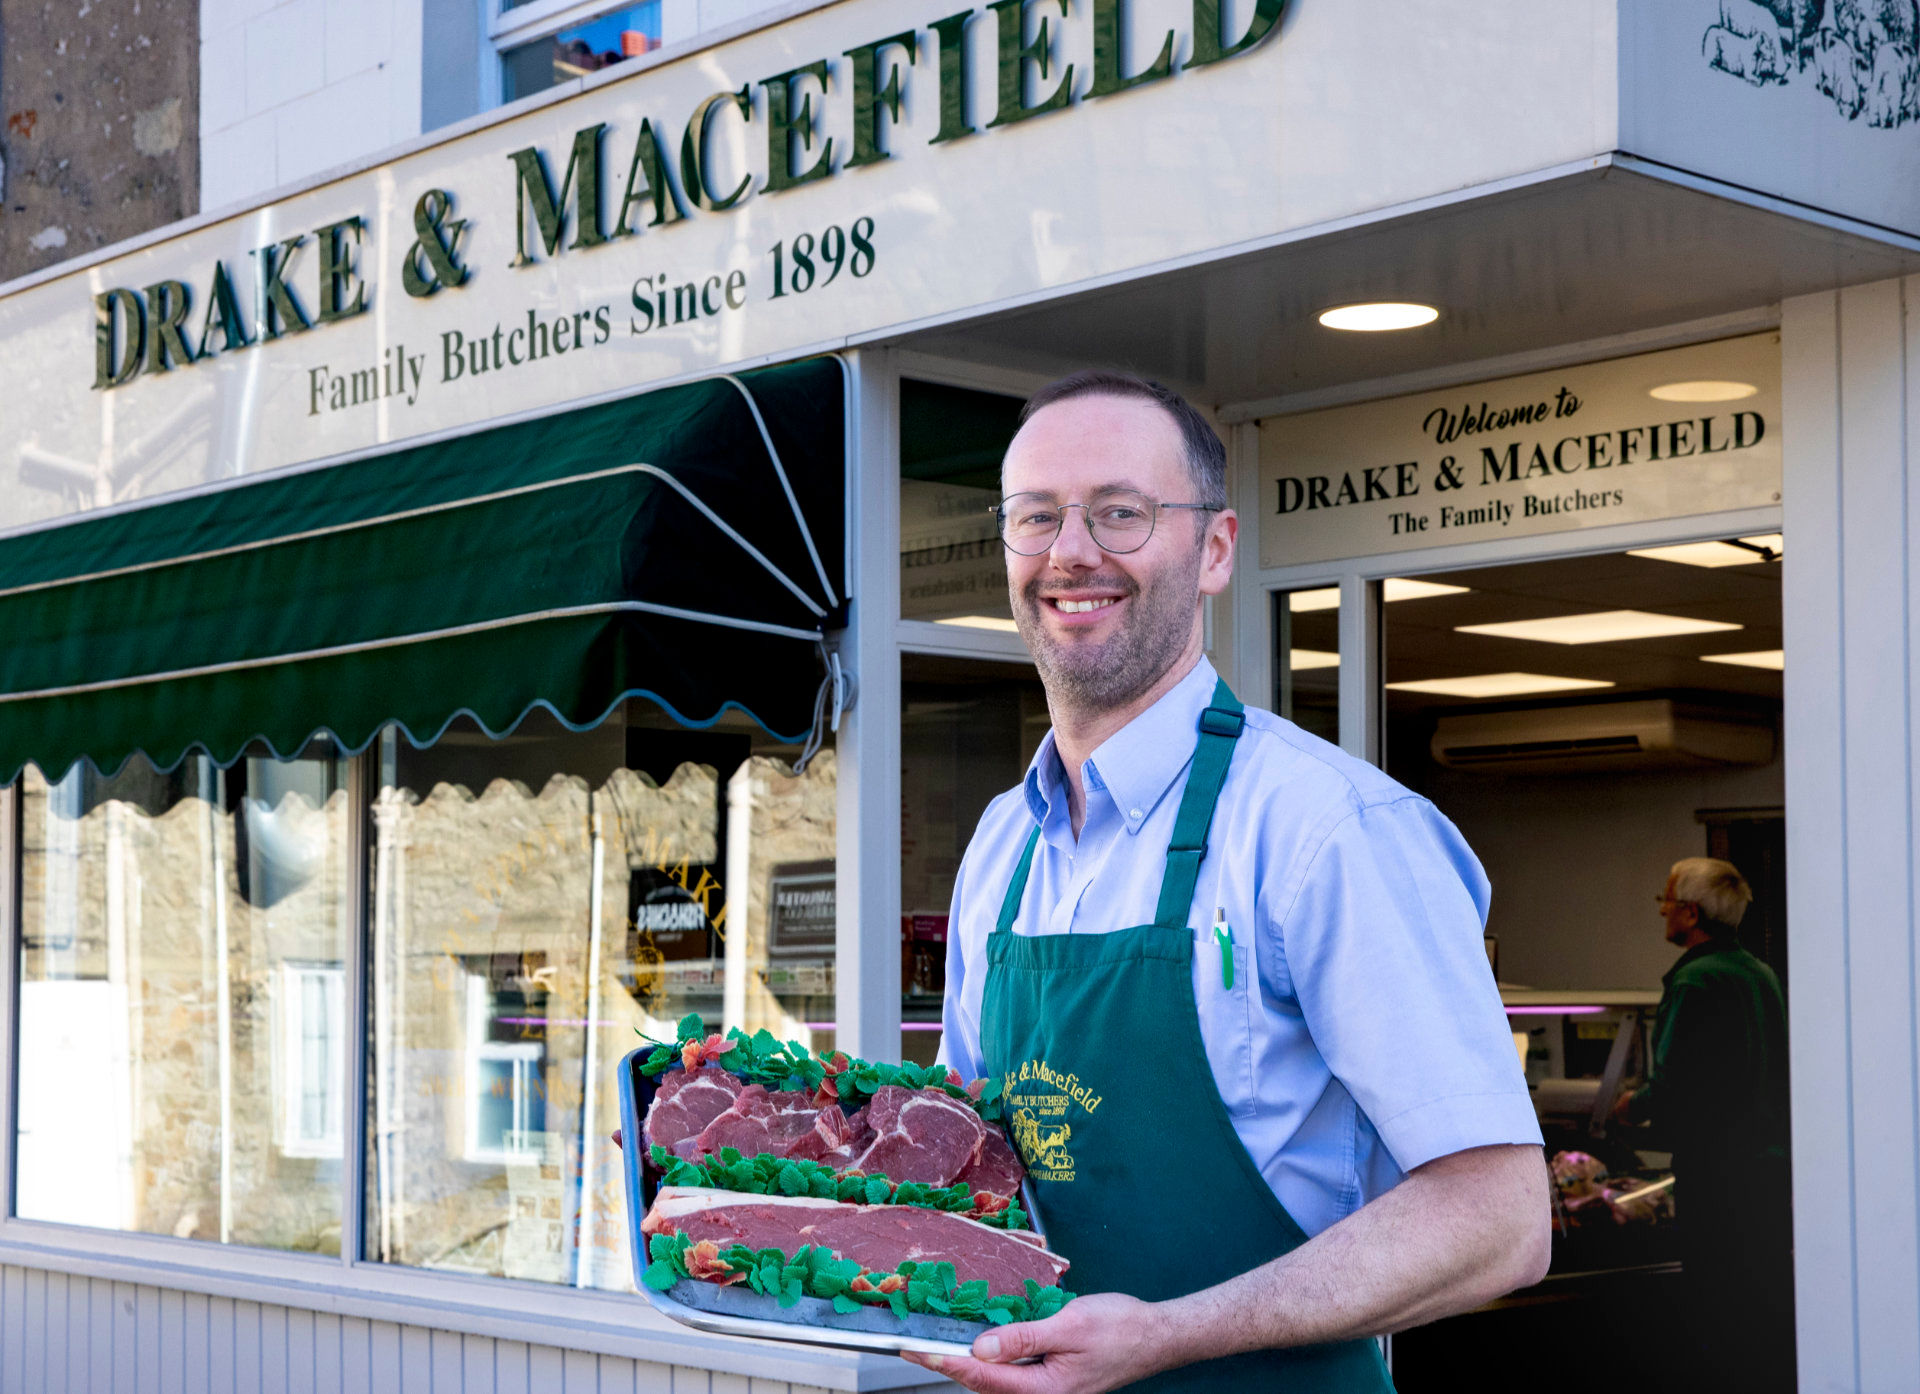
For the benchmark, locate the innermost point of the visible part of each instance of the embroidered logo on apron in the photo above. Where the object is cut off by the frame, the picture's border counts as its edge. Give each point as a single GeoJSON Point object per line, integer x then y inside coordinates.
{"type": "Point", "coordinates": [1041, 1103]}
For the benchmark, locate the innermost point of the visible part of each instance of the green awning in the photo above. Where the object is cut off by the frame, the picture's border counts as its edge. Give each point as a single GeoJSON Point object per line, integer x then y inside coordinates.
{"type": "Point", "coordinates": [684, 545]}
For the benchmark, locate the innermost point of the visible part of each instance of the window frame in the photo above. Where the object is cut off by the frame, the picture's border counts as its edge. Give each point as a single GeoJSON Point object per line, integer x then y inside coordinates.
{"type": "Point", "coordinates": [503, 29]}
{"type": "Point", "coordinates": [291, 1080]}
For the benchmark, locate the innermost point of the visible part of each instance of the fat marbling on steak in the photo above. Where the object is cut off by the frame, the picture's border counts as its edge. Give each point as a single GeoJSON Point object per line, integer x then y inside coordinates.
{"type": "Point", "coordinates": [687, 1101]}
{"type": "Point", "coordinates": [995, 1168]}
{"type": "Point", "coordinates": [877, 1237]}
{"type": "Point", "coordinates": [785, 1123]}
{"type": "Point", "coordinates": [916, 1135]}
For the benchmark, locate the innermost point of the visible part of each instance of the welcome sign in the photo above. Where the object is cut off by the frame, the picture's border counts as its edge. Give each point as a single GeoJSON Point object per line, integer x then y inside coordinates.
{"type": "Point", "coordinates": [1661, 435]}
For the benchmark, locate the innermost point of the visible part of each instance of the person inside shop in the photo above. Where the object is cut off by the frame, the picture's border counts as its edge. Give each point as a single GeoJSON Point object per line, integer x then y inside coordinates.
{"type": "Point", "coordinates": [1232, 979]}
{"type": "Point", "coordinates": [1717, 1096]}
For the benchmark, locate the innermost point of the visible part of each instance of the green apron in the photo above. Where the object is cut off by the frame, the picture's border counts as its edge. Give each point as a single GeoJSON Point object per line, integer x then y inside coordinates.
{"type": "Point", "coordinates": [1140, 1180]}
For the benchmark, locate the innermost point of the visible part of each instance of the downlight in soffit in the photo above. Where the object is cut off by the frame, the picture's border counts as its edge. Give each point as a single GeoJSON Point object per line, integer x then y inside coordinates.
{"type": "Point", "coordinates": [1377, 317]}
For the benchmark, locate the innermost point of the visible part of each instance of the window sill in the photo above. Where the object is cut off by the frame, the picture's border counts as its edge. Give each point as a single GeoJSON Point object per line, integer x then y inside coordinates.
{"type": "Point", "coordinates": [603, 1323]}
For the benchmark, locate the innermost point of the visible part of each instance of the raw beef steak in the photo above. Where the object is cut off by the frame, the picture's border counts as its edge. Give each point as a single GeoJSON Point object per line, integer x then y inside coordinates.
{"type": "Point", "coordinates": [878, 1237]}
{"type": "Point", "coordinates": [918, 1135]}
{"type": "Point", "coordinates": [687, 1101]}
{"type": "Point", "coordinates": [996, 1168]}
{"type": "Point", "coordinates": [786, 1124]}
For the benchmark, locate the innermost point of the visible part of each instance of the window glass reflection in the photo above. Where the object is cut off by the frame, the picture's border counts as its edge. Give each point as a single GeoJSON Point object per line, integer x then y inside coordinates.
{"type": "Point", "coordinates": [183, 1031]}
{"type": "Point", "coordinates": [539, 904]}
{"type": "Point", "coordinates": [585, 48]}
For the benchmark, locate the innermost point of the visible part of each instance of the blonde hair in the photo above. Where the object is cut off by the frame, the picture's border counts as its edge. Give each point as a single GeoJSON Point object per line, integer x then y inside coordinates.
{"type": "Point", "coordinates": [1717, 887]}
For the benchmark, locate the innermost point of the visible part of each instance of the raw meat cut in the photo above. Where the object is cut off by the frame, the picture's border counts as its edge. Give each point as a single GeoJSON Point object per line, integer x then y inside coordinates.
{"type": "Point", "coordinates": [687, 1101]}
{"type": "Point", "coordinates": [918, 1135]}
{"type": "Point", "coordinates": [996, 1167]}
{"type": "Point", "coordinates": [786, 1123]}
{"type": "Point", "coordinates": [878, 1237]}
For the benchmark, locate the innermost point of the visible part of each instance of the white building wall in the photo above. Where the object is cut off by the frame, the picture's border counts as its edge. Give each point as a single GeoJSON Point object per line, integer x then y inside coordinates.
{"type": "Point", "coordinates": [1851, 433]}
{"type": "Point", "coordinates": [292, 87]}
{"type": "Point", "coordinates": [65, 1334]}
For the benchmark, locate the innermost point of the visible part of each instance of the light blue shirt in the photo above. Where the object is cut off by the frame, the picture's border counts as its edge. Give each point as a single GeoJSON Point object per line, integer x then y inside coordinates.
{"type": "Point", "coordinates": [1363, 1034]}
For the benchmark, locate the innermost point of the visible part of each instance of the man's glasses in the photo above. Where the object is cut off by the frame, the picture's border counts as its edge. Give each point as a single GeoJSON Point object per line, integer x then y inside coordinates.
{"type": "Point", "coordinates": [1119, 520]}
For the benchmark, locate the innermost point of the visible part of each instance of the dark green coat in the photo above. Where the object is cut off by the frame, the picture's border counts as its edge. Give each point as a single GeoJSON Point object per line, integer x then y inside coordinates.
{"type": "Point", "coordinates": [1717, 1092]}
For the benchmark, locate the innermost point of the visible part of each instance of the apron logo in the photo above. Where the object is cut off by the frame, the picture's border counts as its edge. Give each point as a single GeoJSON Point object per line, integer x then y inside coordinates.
{"type": "Point", "coordinates": [1041, 1099]}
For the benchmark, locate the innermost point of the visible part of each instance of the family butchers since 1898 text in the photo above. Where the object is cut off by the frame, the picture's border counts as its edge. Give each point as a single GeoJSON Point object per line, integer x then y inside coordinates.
{"type": "Point", "coordinates": [1514, 460]}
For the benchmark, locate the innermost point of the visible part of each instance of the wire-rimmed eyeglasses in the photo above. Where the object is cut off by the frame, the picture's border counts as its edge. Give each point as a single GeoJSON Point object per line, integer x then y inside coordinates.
{"type": "Point", "coordinates": [1118, 520]}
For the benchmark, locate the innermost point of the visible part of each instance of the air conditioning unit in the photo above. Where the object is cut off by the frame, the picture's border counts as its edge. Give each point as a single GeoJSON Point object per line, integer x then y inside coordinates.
{"type": "Point", "coordinates": [1650, 735]}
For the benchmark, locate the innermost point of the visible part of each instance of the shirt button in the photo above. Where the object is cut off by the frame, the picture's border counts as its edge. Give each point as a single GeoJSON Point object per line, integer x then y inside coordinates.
{"type": "Point", "coordinates": [1135, 814]}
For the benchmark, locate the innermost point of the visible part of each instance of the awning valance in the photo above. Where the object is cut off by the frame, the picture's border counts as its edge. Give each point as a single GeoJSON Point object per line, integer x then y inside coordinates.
{"type": "Point", "coordinates": [684, 545]}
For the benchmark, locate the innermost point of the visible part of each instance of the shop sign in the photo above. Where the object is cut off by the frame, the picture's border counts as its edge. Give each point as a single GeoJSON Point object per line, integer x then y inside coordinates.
{"type": "Point", "coordinates": [803, 912]}
{"type": "Point", "coordinates": [1661, 435]}
{"type": "Point", "coordinates": [850, 172]}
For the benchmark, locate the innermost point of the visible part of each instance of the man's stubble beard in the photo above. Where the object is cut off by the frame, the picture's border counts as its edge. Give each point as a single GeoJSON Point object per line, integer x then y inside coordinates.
{"type": "Point", "coordinates": [1094, 677]}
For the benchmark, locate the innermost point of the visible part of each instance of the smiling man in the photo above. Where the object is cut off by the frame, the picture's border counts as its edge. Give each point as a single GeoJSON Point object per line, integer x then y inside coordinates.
{"type": "Point", "coordinates": [1231, 977]}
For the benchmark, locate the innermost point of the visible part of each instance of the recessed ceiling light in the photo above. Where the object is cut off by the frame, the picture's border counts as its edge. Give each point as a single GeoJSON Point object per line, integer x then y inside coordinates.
{"type": "Point", "coordinates": [1745, 552]}
{"type": "Point", "coordinates": [982, 622]}
{"type": "Point", "coordinates": [1395, 588]}
{"type": "Point", "coordinates": [1304, 660]}
{"type": "Point", "coordinates": [1379, 316]}
{"type": "Point", "coordinates": [1703, 391]}
{"type": "Point", "coordinates": [1403, 588]}
{"type": "Point", "coordinates": [1496, 685]}
{"type": "Point", "coordinates": [1598, 627]}
{"type": "Point", "coordinates": [1760, 658]}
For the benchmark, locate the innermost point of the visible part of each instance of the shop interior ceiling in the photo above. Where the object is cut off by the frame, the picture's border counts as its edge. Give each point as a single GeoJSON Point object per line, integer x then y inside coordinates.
{"type": "Point", "coordinates": [1602, 253]}
{"type": "Point", "coordinates": [1423, 639]}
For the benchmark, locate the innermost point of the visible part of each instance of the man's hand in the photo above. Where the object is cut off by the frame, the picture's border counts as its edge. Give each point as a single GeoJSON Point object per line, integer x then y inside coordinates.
{"type": "Point", "coordinates": [1094, 1343]}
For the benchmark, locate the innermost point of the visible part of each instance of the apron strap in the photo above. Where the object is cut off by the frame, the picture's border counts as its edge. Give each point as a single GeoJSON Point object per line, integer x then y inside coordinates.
{"type": "Point", "coordinates": [1016, 888]}
{"type": "Point", "coordinates": [1220, 727]}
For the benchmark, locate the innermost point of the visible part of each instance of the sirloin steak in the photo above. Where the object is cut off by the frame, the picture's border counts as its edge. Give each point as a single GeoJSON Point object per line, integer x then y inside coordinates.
{"type": "Point", "coordinates": [877, 1237]}
{"type": "Point", "coordinates": [917, 1135]}
{"type": "Point", "coordinates": [786, 1124]}
{"type": "Point", "coordinates": [687, 1101]}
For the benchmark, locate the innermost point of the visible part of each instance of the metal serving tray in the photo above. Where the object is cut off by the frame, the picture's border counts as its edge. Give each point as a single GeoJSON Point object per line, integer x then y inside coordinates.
{"type": "Point", "coordinates": [734, 1311]}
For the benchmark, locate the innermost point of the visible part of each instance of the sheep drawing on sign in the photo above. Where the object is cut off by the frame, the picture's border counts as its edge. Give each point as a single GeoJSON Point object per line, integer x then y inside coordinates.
{"type": "Point", "coordinates": [1863, 55]}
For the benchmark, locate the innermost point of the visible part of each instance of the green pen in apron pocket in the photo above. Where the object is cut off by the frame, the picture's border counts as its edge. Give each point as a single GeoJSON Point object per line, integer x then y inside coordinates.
{"type": "Point", "coordinates": [1223, 936]}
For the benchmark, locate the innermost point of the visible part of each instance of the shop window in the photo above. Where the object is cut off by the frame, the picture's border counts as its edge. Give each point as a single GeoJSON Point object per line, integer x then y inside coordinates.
{"type": "Point", "coordinates": [539, 905]}
{"type": "Point", "coordinates": [181, 1022]}
{"type": "Point", "coordinates": [953, 569]}
{"type": "Point", "coordinates": [1306, 660]}
{"type": "Point", "coordinates": [968, 730]}
{"type": "Point", "coordinates": [532, 61]}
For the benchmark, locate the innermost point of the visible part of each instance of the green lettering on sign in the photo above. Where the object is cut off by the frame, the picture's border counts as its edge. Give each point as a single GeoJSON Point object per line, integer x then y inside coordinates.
{"type": "Point", "coordinates": [647, 179]}
{"type": "Point", "coordinates": [1017, 55]}
{"type": "Point", "coordinates": [167, 303]}
{"type": "Point", "coordinates": [694, 174]}
{"type": "Point", "coordinates": [870, 98]}
{"type": "Point", "coordinates": [532, 187]}
{"type": "Point", "coordinates": [223, 314]}
{"type": "Point", "coordinates": [954, 72]}
{"type": "Point", "coordinates": [119, 322]}
{"type": "Point", "coordinates": [1109, 43]}
{"type": "Point", "coordinates": [1210, 45]}
{"type": "Point", "coordinates": [279, 312]}
{"type": "Point", "coordinates": [786, 127]}
{"type": "Point", "coordinates": [337, 276]}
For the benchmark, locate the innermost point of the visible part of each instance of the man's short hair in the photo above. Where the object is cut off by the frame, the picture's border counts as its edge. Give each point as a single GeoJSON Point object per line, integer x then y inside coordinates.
{"type": "Point", "coordinates": [1206, 457]}
{"type": "Point", "coordinates": [1717, 887]}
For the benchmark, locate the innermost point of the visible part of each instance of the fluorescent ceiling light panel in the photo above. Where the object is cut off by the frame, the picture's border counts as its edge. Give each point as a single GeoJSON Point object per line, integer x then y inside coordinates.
{"type": "Point", "coordinates": [1496, 685]}
{"type": "Point", "coordinates": [1598, 627]}
{"type": "Point", "coordinates": [1775, 659]}
{"type": "Point", "coordinates": [1705, 391]}
{"type": "Point", "coordinates": [982, 622]}
{"type": "Point", "coordinates": [1394, 588]}
{"type": "Point", "coordinates": [1379, 316]}
{"type": "Point", "coordinates": [1304, 660]}
{"type": "Point", "coordinates": [1717, 554]}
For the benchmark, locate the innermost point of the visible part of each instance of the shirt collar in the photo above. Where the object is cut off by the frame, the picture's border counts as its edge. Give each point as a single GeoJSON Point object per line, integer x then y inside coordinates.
{"type": "Point", "coordinates": [1139, 762]}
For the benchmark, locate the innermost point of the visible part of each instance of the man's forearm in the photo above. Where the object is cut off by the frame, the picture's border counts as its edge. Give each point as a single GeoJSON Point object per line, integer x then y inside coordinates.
{"type": "Point", "coordinates": [1455, 1234]}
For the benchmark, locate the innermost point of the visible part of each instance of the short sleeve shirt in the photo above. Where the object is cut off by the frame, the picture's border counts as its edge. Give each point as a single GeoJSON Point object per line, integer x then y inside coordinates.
{"type": "Point", "coordinates": [1362, 1034]}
